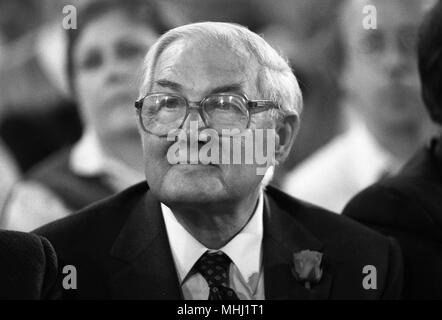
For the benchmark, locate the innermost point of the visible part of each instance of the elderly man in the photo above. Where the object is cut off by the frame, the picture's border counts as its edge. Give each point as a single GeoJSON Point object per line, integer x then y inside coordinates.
{"type": "Point", "coordinates": [408, 206]}
{"type": "Point", "coordinates": [204, 227]}
{"type": "Point", "coordinates": [387, 122]}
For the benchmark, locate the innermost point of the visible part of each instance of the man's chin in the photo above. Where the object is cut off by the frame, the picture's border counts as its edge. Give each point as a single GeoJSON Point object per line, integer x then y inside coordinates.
{"type": "Point", "coordinates": [195, 173]}
{"type": "Point", "coordinates": [191, 185]}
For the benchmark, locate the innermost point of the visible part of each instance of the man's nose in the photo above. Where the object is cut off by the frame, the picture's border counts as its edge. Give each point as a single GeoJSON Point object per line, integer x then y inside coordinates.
{"type": "Point", "coordinates": [193, 120]}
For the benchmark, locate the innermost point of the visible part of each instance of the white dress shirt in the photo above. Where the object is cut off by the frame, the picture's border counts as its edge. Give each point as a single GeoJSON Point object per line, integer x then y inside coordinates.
{"type": "Point", "coordinates": [338, 171]}
{"type": "Point", "coordinates": [246, 275]}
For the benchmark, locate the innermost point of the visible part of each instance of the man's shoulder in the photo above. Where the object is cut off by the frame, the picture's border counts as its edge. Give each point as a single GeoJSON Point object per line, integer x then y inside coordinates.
{"type": "Point", "coordinates": [420, 178]}
{"type": "Point", "coordinates": [95, 225]}
{"type": "Point", "coordinates": [348, 248]}
{"type": "Point", "coordinates": [28, 268]}
{"type": "Point", "coordinates": [402, 203]}
{"type": "Point", "coordinates": [21, 243]}
{"type": "Point", "coordinates": [409, 199]}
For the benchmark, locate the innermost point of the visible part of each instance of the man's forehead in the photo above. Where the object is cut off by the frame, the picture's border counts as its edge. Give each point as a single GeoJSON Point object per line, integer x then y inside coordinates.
{"type": "Point", "coordinates": [202, 66]}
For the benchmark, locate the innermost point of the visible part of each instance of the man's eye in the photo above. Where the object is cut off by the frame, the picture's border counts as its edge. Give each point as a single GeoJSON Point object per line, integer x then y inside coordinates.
{"type": "Point", "coordinates": [225, 106]}
{"type": "Point", "coordinates": [170, 104]}
{"type": "Point", "coordinates": [92, 60]}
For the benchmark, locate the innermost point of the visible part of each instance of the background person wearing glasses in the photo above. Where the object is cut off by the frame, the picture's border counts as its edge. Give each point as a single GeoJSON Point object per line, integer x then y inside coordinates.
{"type": "Point", "coordinates": [408, 206]}
{"type": "Point", "coordinates": [386, 122]}
{"type": "Point", "coordinates": [211, 231]}
{"type": "Point", "coordinates": [104, 55]}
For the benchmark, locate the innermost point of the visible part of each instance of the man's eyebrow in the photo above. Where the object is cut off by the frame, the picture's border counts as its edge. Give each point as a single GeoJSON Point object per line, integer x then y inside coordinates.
{"type": "Point", "coordinates": [233, 87]}
{"type": "Point", "coordinates": [169, 84]}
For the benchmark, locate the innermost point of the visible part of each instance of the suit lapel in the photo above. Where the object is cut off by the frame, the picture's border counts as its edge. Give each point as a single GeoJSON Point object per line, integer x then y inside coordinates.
{"type": "Point", "coordinates": [148, 270]}
{"type": "Point", "coordinates": [283, 236]}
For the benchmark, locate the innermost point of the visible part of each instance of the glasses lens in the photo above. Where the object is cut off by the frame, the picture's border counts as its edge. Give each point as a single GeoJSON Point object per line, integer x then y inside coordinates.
{"type": "Point", "coordinates": [226, 112]}
{"type": "Point", "coordinates": [162, 113]}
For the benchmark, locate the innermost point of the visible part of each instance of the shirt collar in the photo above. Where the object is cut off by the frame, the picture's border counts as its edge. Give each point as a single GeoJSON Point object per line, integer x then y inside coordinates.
{"type": "Point", "coordinates": [245, 249]}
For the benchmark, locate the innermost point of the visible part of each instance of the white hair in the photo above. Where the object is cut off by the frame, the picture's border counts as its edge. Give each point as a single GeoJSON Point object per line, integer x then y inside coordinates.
{"type": "Point", "coordinates": [275, 82]}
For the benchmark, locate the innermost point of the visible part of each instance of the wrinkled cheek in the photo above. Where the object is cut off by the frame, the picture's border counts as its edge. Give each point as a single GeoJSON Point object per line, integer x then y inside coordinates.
{"type": "Point", "coordinates": [155, 150]}
{"type": "Point", "coordinates": [155, 164]}
{"type": "Point", "coordinates": [240, 180]}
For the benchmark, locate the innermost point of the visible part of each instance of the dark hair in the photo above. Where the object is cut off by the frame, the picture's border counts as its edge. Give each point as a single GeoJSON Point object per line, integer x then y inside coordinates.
{"type": "Point", "coordinates": [142, 11]}
{"type": "Point", "coordinates": [430, 61]}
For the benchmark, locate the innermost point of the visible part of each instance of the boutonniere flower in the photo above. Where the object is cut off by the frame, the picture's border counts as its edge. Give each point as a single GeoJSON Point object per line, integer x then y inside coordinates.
{"type": "Point", "coordinates": [307, 267]}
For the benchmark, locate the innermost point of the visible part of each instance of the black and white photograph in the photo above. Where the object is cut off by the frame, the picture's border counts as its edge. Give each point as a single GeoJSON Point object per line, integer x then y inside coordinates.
{"type": "Point", "coordinates": [232, 150]}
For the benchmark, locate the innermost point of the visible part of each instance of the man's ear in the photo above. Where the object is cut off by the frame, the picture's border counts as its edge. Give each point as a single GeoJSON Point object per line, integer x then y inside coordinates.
{"type": "Point", "coordinates": [286, 132]}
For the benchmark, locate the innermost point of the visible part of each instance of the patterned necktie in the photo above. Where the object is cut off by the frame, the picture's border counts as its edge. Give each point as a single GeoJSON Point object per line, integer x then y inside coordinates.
{"type": "Point", "coordinates": [214, 267]}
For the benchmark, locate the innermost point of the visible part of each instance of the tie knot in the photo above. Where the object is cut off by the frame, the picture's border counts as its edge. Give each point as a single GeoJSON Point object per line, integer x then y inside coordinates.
{"type": "Point", "coordinates": [214, 267]}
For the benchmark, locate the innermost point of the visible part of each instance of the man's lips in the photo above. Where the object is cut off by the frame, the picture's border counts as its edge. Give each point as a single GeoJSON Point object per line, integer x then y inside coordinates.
{"type": "Point", "coordinates": [197, 164]}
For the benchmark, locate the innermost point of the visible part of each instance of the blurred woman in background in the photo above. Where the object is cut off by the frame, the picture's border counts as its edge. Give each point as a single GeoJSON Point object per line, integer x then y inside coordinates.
{"type": "Point", "coordinates": [104, 54]}
{"type": "Point", "coordinates": [386, 121]}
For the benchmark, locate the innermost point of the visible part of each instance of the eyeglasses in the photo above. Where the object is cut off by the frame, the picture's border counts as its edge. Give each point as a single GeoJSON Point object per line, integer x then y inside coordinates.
{"type": "Point", "coordinates": [160, 113]}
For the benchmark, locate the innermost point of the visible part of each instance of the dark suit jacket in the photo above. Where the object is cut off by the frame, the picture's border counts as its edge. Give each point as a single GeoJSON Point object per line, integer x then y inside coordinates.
{"type": "Point", "coordinates": [409, 208]}
{"type": "Point", "coordinates": [28, 266]}
{"type": "Point", "coordinates": [121, 250]}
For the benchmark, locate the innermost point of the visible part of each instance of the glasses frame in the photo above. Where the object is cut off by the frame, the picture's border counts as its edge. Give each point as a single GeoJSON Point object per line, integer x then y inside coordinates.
{"type": "Point", "coordinates": [252, 107]}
